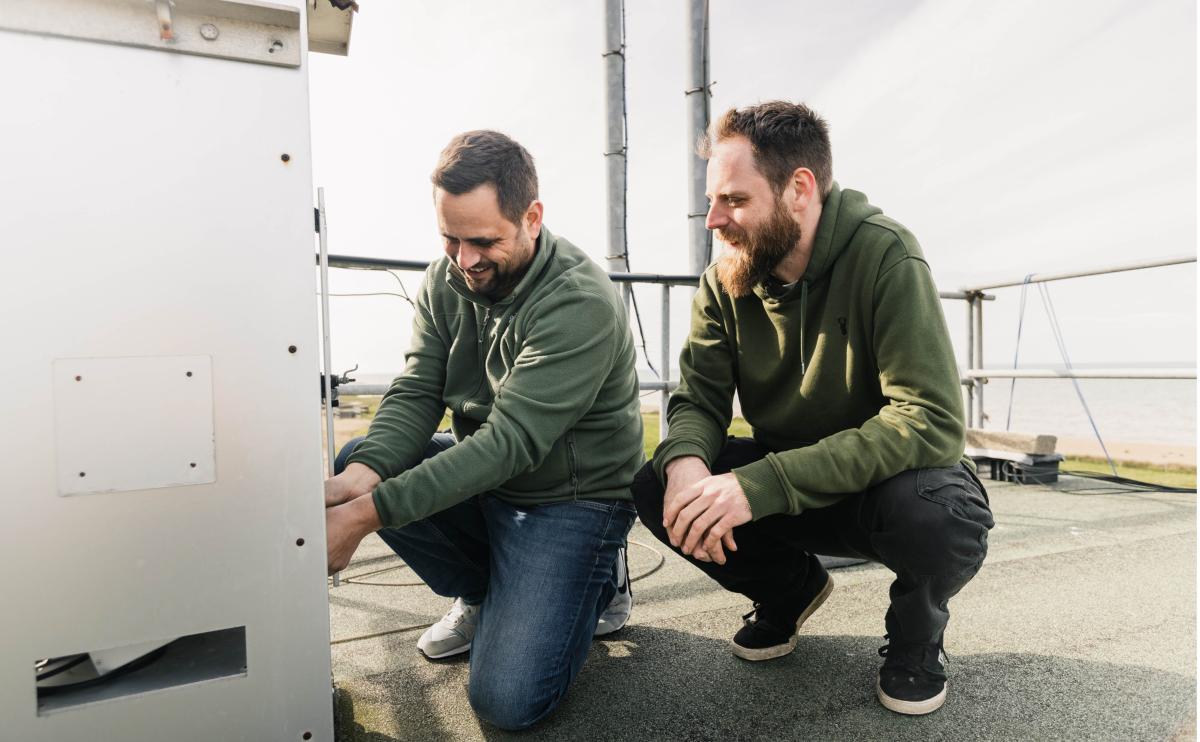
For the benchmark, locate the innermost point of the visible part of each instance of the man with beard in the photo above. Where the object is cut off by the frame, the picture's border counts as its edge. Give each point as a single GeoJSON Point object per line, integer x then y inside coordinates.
{"type": "Point", "coordinates": [521, 515]}
{"type": "Point", "coordinates": [821, 315]}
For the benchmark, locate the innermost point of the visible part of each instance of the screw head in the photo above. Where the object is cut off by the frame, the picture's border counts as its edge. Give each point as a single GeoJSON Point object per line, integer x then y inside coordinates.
{"type": "Point", "coordinates": [299, 542]}
{"type": "Point", "coordinates": [209, 32]}
{"type": "Point", "coordinates": [285, 157]}
{"type": "Point", "coordinates": [291, 349]}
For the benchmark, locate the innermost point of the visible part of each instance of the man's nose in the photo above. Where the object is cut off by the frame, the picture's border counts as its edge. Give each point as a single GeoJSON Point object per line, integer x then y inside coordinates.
{"type": "Point", "coordinates": [468, 257]}
{"type": "Point", "coordinates": [717, 217]}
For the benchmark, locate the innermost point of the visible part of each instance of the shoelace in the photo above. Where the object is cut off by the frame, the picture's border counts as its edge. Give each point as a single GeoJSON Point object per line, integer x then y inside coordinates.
{"type": "Point", "coordinates": [911, 652]}
{"type": "Point", "coordinates": [746, 618]}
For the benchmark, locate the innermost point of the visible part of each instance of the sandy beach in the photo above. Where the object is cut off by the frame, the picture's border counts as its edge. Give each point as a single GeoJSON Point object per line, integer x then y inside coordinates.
{"type": "Point", "coordinates": [1159, 454]}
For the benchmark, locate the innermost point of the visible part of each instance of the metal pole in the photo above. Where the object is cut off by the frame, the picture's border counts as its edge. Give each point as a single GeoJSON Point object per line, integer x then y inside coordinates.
{"type": "Point", "coordinates": [979, 417]}
{"type": "Point", "coordinates": [665, 362]}
{"type": "Point", "coordinates": [323, 234]}
{"type": "Point", "coordinates": [1075, 373]}
{"type": "Point", "coordinates": [697, 94]}
{"type": "Point", "coordinates": [1044, 277]}
{"type": "Point", "coordinates": [971, 360]}
{"type": "Point", "coordinates": [614, 153]}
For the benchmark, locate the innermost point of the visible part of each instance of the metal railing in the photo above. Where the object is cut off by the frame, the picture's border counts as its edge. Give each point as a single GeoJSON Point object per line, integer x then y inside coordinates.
{"type": "Point", "coordinates": [665, 384]}
{"type": "Point", "coordinates": [976, 375]}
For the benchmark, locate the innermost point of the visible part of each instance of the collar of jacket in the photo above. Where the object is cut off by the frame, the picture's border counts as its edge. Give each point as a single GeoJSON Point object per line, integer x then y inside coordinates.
{"type": "Point", "coordinates": [543, 251]}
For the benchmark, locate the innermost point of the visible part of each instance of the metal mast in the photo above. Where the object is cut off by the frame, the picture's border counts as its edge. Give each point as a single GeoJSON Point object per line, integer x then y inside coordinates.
{"type": "Point", "coordinates": [697, 93]}
{"type": "Point", "coordinates": [614, 153]}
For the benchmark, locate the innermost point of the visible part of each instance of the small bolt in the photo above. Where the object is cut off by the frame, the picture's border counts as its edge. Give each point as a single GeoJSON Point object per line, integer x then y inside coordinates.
{"type": "Point", "coordinates": [83, 474]}
{"type": "Point", "coordinates": [307, 735]}
{"type": "Point", "coordinates": [189, 374]}
{"type": "Point", "coordinates": [78, 378]}
{"type": "Point", "coordinates": [276, 45]}
{"type": "Point", "coordinates": [209, 31]}
{"type": "Point", "coordinates": [285, 157]}
{"type": "Point", "coordinates": [291, 349]}
{"type": "Point", "coordinates": [299, 542]}
{"type": "Point", "coordinates": [193, 464]}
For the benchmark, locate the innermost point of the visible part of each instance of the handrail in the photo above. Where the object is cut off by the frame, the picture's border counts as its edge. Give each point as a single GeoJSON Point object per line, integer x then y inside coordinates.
{"type": "Point", "coordinates": [360, 262]}
{"type": "Point", "coordinates": [1080, 373]}
{"type": "Point", "coordinates": [1044, 277]}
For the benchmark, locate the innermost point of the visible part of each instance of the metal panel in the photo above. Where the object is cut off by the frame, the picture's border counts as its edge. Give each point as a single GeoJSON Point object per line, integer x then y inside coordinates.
{"type": "Point", "coordinates": [123, 424]}
{"type": "Point", "coordinates": [246, 30]}
{"type": "Point", "coordinates": [161, 205]}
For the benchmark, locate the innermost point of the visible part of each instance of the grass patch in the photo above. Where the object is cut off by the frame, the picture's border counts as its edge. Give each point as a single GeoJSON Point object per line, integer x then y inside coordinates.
{"type": "Point", "coordinates": [1171, 475]}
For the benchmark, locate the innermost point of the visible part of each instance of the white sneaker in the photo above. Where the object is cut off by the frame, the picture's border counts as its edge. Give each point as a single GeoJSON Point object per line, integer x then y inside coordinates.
{"type": "Point", "coordinates": [619, 608]}
{"type": "Point", "coordinates": [453, 634]}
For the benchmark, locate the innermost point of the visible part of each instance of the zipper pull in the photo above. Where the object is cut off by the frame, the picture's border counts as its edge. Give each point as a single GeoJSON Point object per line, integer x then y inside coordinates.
{"type": "Point", "coordinates": [483, 329]}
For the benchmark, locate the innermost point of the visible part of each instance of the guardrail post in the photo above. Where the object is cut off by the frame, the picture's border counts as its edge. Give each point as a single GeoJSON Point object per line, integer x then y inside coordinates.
{"type": "Point", "coordinates": [970, 360]}
{"type": "Point", "coordinates": [665, 361]}
{"type": "Point", "coordinates": [977, 300]}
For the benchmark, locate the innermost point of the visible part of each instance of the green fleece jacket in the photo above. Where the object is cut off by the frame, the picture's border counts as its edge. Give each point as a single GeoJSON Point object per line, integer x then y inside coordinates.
{"type": "Point", "coordinates": [848, 377]}
{"type": "Point", "coordinates": [540, 385]}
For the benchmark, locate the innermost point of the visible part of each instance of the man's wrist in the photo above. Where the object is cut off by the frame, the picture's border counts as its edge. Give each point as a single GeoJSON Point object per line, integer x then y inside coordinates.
{"type": "Point", "coordinates": [366, 516]}
{"type": "Point", "coordinates": [361, 477]}
{"type": "Point", "coordinates": [685, 464]}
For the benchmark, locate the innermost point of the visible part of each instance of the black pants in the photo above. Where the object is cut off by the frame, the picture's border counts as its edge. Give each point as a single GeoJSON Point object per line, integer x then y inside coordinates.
{"type": "Point", "coordinates": [929, 526]}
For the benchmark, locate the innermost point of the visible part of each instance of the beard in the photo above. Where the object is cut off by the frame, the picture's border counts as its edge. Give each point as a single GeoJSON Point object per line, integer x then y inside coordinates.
{"type": "Point", "coordinates": [499, 278]}
{"type": "Point", "coordinates": [759, 250]}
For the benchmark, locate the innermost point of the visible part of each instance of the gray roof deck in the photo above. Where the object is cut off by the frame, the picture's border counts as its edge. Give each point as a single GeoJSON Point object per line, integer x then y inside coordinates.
{"type": "Point", "coordinates": [1081, 625]}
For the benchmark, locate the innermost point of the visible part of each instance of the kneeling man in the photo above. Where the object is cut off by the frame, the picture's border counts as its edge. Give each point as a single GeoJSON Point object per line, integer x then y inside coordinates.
{"type": "Point", "coordinates": [822, 316]}
{"type": "Point", "coordinates": [522, 513]}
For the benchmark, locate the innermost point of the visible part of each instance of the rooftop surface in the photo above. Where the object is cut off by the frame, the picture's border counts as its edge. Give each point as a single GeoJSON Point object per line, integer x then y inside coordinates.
{"type": "Point", "coordinates": [1081, 625]}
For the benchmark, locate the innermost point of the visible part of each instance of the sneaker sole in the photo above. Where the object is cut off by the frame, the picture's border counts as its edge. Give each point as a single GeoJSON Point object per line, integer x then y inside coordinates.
{"type": "Point", "coordinates": [444, 655]}
{"type": "Point", "coordinates": [604, 628]}
{"type": "Point", "coordinates": [911, 708]}
{"type": "Point", "coordinates": [779, 650]}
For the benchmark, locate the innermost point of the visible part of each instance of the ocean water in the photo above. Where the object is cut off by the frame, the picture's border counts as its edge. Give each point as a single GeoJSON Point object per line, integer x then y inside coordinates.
{"type": "Point", "coordinates": [1128, 410]}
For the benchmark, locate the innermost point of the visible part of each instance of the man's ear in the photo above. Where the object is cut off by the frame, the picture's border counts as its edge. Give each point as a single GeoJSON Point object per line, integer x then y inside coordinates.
{"type": "Point", "coordinates": [532, 221]}
{"type": "Point", "coordinates": [804, 190]}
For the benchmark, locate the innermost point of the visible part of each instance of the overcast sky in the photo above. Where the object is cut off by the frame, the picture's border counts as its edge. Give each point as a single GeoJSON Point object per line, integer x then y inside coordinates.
{"type": "Point", "coordinates": [1010, 137]}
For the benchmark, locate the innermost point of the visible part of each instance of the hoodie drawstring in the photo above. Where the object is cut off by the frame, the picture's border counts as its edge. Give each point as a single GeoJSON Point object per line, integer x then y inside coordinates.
{"type": "Point", "coordinates": [803, 309]}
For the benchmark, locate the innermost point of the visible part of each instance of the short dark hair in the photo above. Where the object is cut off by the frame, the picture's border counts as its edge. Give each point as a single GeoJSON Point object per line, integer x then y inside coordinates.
{"type": "Point", "coordinates": [783, 137]}
{"type": "Point", "coordinates": [474, 158]}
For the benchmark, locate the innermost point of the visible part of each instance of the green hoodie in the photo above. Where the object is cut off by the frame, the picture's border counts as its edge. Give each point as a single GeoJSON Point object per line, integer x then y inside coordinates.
{"type": "Point", "coordinates": [848, 377]}
{"type": "Point", "coordinates": [540, 385]}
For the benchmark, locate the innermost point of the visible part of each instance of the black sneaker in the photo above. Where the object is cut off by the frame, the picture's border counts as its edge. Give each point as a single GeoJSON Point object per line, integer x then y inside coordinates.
{"type": "Point", "coordinates": [770, 629]}
{"type": "Point", "coordinates": [913, 677]}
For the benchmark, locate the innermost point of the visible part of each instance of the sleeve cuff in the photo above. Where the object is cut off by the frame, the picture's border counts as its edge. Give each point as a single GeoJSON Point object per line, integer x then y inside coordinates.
{"type": "Point", "coordinates": [670, 450]}
{"type": "Point", "coordinates": [762, 488]}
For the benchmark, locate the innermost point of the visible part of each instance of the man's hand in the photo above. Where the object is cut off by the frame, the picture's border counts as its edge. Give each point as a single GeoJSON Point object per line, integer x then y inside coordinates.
{"type": "Point", "coordinates": [346, 526]}
{"type": "Point", "coordinates": [357, 480]}
{"type": "Point", "coordinates": [701, 518]}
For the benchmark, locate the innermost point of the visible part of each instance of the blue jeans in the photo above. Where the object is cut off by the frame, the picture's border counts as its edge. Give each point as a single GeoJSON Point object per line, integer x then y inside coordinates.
{"type": "Point", "coordinates": [543, 573]}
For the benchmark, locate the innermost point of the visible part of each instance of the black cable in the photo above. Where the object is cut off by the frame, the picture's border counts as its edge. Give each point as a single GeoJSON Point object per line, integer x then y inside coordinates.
{"type": "Point", "coordinates": [76, 660]}
{"type": "Point", "coordinates": [1015, 473]}
{"type": "Point", "coordinates": [137, 664]}
{"type": "Point", "coordinates": [637, 314]}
